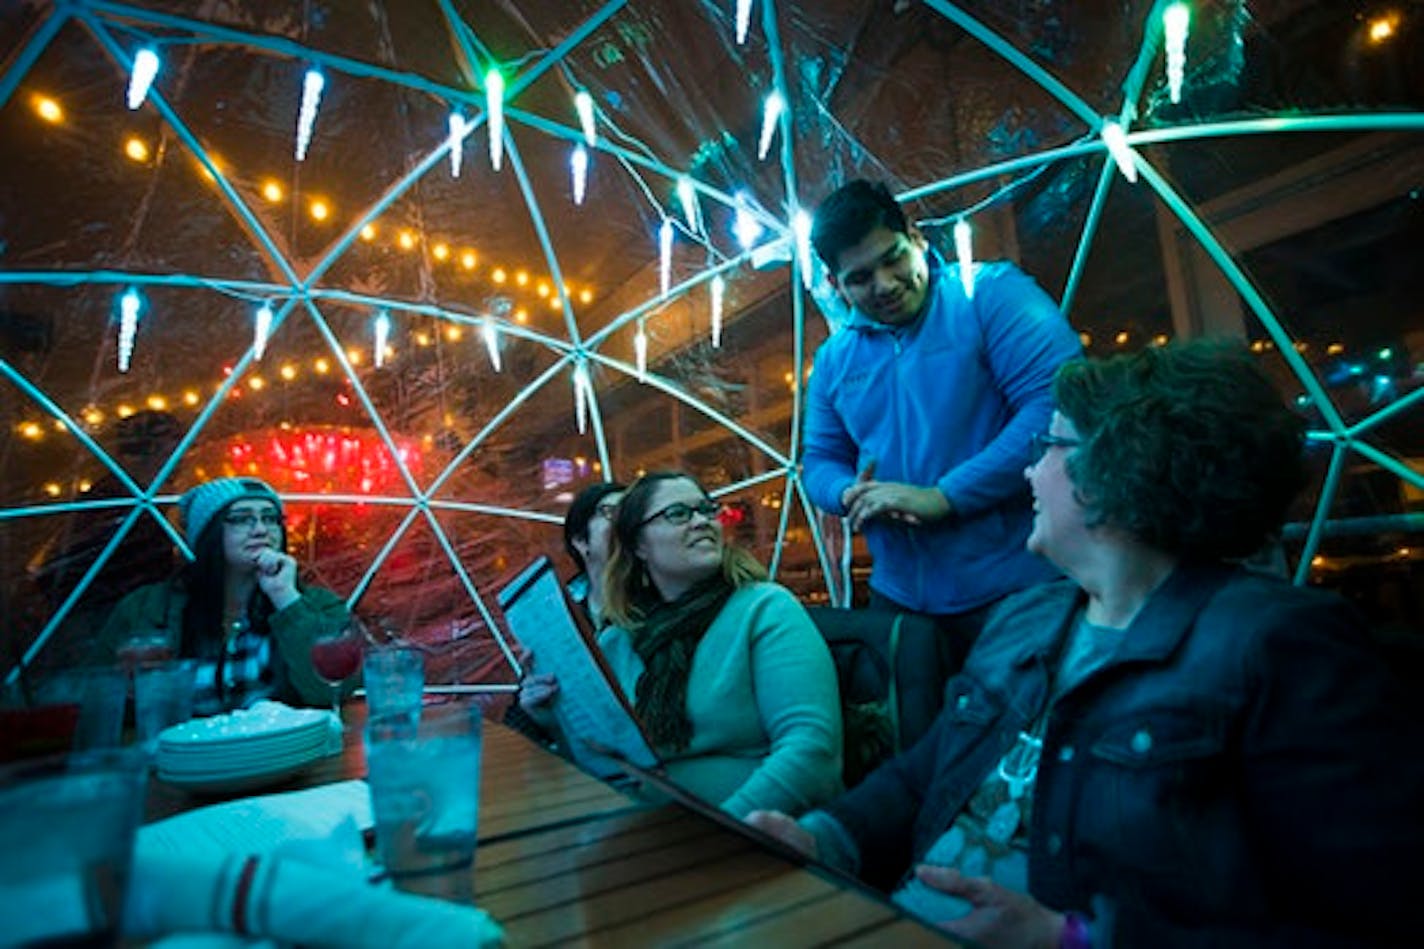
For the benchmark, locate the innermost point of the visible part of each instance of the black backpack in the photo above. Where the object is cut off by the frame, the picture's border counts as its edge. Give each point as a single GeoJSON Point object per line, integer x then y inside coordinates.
{"type": "Point", "coordinates": [891, 678]}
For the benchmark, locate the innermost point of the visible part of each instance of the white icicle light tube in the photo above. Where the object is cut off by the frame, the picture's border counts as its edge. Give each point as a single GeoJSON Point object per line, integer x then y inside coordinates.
{"type": "Point", "coordinates": [581, 388]}
{"type": "Point", "coordinates": [801, 226]}
{"type": "Point", "coordinates": [383, 335]}
{"type": "Point", "coordinates": [664, 257]}
{"type": "Point", "coordinates": [583, 104]}
{"type": "Point", "coordinates": [744, 19]}
{"type": "Point", "coordinates": [145, 68]}
{"type": "Point", "coordinates": [490, 332]}
{"type": "Point", "coordinates": [718, 292]}
{"type": "Point", "coordinates": [578, 170]}
{"type": "Point", "coordinates": [313, 83]}
{"type": "Point", "coordinates": [640, 352]}
{"type": "Point", "coordinates": [770, 115]}
{"type": "Point", "coordinates": [1176, 21]}
{"type": "Point", "coordinates": [130, 307]}
{"type": "Point", "coordinates": [458, 127]}
{"type": "Point", "coordinates": [261, 330]}
{"type": "Point", "coordinates": [687, 197]}
{"type": "Point", "coordinates": [494, 105]}
{"type": "Point", "coordinates": [964, 250]}
{"type": "Point", "coordinates": [1116, 141]}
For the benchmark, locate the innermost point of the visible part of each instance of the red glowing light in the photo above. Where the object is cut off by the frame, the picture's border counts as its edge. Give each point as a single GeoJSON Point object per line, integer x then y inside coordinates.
{"type": "Point", "coordinates": [323, 460]}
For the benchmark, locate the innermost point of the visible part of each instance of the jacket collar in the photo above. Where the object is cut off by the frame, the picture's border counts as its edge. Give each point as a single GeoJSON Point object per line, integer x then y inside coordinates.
{"type": "Point", "coordinates": [1156, 631]}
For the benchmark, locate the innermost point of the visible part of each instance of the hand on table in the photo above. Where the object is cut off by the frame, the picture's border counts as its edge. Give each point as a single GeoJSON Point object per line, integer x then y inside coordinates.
{"type": "Point", "coordinates": [785, 829]}
{"type": "Point", "coordinates": [867, 499]}
{"type": "Point", "coordinates": [1001, 917]}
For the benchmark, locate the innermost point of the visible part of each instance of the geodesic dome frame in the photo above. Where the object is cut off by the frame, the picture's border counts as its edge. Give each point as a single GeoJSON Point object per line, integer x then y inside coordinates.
{"type": "Point", "coordinates": [653, 141]}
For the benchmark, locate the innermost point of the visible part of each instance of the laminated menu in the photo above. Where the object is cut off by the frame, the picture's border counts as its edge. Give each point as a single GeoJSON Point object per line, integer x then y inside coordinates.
{"type": "Point", "coordinates": [601, 731]}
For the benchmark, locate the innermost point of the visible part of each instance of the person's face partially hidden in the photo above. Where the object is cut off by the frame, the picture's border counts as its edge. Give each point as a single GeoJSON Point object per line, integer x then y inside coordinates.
{"type": "Point", "coordinates": [600, 533]}
{"type": "Point", "coordinates": [885, 276]}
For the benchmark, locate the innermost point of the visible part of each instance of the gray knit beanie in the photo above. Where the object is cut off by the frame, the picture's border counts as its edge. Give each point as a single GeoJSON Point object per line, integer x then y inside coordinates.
{"type": "Point", "coordinates": [199, 505]}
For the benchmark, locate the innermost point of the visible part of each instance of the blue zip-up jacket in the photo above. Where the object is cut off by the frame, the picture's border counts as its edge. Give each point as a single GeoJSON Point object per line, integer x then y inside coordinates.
{"type": "Point", "coordinates": [950, 400]}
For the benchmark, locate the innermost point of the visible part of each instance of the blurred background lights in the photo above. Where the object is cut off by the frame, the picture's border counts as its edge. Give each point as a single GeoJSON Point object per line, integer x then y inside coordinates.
{"type": "Point", "coordinates": [47, 109]}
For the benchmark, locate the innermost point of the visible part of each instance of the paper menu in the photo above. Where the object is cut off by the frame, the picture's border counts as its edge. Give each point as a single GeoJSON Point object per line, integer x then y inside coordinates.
{"type": "Point", "coordinates": [591, 709]}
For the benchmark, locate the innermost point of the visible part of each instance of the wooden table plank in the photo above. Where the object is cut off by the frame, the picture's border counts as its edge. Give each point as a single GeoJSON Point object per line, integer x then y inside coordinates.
{"type": "Point", "coordinates": [586, 871]}
{"type": "Point", "coordinates": [530, 858]}
{"type": "Point", "coordinates": [637, 896]}
{"type": "Point", "coordinates": [730, 914]}
{"type": "Point", "coordinates": [901, 933]}
{"type": "Point", "coordinates": [842, 914]}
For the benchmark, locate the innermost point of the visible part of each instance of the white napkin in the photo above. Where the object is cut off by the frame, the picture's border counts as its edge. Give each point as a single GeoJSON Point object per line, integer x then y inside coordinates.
{"type": "Point", "coordinates": [291, 902]}
{"type": "Point", "coordinates": [284, 867]}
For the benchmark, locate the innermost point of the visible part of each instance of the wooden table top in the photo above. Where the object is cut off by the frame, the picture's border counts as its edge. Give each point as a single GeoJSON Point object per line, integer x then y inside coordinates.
{"type": "Point", "coordinates": [564, 858]}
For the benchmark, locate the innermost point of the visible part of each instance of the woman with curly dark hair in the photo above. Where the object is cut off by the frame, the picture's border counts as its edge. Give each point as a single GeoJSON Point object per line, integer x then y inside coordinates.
{"type": "Point", "coordinates": [1165, 748]}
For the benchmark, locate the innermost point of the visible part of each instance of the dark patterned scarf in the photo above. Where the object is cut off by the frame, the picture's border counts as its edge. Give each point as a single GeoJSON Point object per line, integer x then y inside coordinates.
{"type": "Point", "coordinates": [666, 640]}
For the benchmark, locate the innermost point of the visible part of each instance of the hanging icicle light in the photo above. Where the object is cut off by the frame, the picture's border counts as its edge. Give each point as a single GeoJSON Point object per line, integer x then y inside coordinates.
{"type": "Point", "coordinates": [583, 102]}
{"type": "Point", "coordinates": [490, 332]}
{"type": "Point", "coordinates": [145, 68]}
{"type": "Point", "coordinates": [312, 86]}
{"type": "Point", "coordinates": [459, 127]}
{"type": "Point", "coordinates": [582, 387]}
{"type": "Point", "coordinates": [691, 211]}
{"type": "Point", "coordinates": [578, 168]}
{"type": "Point", "coordinates": [665, 256]}
{"type": "Point", "coordinates": [744, 20]}
{"type": "Point", "coordinates": [746, 227]}
{"type": "Point", "coordinates": [801, 226]}
{"type": "Point", "coordinates": [1116, 141]}
{"type": "Point", "coordinates": [494, 107]}
{"type": "Point", "coordinates": [130, 308]}
{"type": "Point", "coordinates": [640, 352]}
{"type": "Point", "coordinates": [383, 336]}
{"type": "Point", "coordinates": [964, 250]}
{"type": "Point", "coordinates": [261, 330]}
{"type": "Point", "coordinates": [1176, 20]}
{"type": "Point", "coordinates": [770, 114]}
{"type": "Point", "coordinates": [718, 291]}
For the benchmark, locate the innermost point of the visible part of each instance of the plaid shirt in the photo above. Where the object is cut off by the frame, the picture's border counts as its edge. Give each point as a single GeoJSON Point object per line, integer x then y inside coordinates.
{"type": "Point", "coordinates": [245, 665]}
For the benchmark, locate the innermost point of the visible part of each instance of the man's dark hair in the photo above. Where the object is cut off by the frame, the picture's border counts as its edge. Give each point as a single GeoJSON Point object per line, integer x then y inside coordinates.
{"type": "Point", "coordinates": [1188, 447]}
{"type": "Point", "coordinates": [849, 213]}
{"type": "Point", "coordinates": [581, 511]}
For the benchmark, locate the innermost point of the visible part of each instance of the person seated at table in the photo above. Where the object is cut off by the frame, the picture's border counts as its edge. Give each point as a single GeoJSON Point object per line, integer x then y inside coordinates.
{"type": "Point", "coordinates": [237, 607]}
{"type": "Point", "coordinates": [729, 677]}
{"type": "Point", "coordinates": [588, 525]}
{"type": "Point", "coordinates": [1166, 748]}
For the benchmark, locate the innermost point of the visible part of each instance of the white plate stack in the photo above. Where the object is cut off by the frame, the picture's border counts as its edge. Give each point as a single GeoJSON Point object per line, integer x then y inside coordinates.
{"type": "Point", "coordinates": [245, 749]}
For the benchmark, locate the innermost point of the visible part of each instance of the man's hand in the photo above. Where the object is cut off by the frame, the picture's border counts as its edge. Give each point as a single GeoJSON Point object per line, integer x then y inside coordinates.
{"type": "Point", "coordinates": [866, 500]}
{"type": "Point", "coordinates": [1001, 917]}
{"type": "Point", "coordinates": [785, 829]}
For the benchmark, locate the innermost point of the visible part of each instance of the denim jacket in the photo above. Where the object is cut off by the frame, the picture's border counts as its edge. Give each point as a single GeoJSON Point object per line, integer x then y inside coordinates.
{"type": "Point", "coordinates": [1244, 770]}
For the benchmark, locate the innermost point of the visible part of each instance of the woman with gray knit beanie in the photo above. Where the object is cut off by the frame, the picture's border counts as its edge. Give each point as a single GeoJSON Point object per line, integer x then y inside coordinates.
{"type": "Point", "coordinates": [237, 607]}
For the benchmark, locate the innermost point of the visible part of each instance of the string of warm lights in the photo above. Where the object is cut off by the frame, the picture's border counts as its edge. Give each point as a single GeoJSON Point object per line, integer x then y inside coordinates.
{"type": "Point", "coordinates": [321, 210]}
{"type": "Point", "coordinates": [191, 397]}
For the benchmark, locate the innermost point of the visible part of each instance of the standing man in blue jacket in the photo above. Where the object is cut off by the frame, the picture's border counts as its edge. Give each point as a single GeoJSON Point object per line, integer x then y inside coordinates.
{"type": "Point", "coordinates": [921, 410]}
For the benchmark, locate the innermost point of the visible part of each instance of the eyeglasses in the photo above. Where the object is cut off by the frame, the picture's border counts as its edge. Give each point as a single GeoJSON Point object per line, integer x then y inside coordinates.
{"type": "Point", "coordinates": [679, 513]}
{"type": "Point", "coordinates": [608, 510]}
{"type": "Point", "coordinates": [247, 521]}
{"type": "Point", "coordinates": [1042, 441]}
